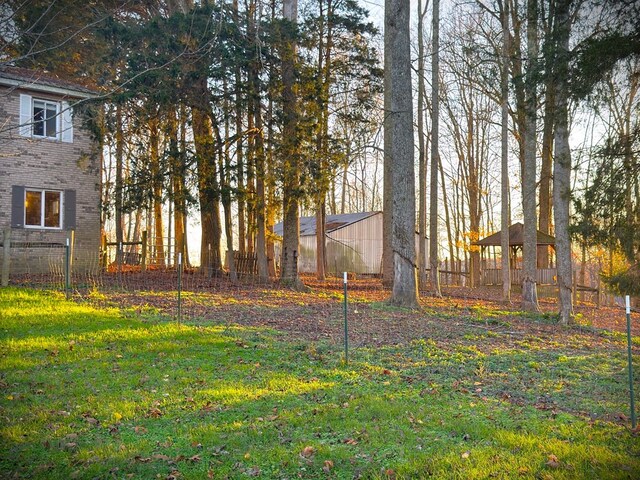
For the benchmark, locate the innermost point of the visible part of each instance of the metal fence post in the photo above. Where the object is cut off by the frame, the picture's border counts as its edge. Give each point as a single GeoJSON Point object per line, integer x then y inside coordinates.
{"type": "Point", "coordinates": [633, 408]}
{"type": "Point", "coordinates": [346, 329]}
{"type": "Point", "coordinates": [67, 268]}
{"type": "Point", "coordinates": [179, 287]}
{"type": "Point", "coordinates": [143, 261]}
{"type": "Point", "coordinates": [6, 258]}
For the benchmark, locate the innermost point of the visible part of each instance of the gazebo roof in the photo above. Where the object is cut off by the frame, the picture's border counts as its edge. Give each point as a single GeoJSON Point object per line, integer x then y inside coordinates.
{"type": "Point", "coordinates": [516, 236]}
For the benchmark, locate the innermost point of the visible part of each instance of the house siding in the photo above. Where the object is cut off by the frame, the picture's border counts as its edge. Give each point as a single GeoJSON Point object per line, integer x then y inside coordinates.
{"type": "Point", "coordinates": [49, 164]}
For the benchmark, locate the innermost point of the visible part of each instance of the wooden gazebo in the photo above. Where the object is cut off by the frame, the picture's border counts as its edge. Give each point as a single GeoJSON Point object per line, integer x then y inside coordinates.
{"type": "Point", "coordinates": [490, 271]}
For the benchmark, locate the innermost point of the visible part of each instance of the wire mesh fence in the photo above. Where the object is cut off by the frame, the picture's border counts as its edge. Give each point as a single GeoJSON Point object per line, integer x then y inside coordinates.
{"type": "Point", "coordinates": [173, 289]}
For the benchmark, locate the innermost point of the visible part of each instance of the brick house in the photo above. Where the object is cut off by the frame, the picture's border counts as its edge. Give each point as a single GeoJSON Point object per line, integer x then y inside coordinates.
{"type": "Point", "coordinates": [49, 171]}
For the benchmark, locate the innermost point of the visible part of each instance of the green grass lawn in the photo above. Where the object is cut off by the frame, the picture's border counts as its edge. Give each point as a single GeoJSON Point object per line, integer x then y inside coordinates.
{"type": "Point", "coordinates": [95, 393]}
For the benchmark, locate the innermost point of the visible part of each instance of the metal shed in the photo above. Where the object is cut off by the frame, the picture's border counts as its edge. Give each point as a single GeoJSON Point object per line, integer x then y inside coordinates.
{"type": "Point", "coordinates": [354, 243]}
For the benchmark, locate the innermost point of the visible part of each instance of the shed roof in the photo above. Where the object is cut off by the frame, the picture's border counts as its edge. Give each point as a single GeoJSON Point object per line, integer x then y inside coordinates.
{"type": "Point", "coordinates": [42, 81]}
{"type": "Point", "coordinates": [516, 236]}
{"type": "Point", "coordinates": [332, 222]}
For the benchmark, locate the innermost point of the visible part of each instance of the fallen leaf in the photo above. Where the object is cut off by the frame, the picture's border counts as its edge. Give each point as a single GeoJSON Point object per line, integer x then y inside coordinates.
{"type": "Point", "coordinates": [173, 475]}
{"type": "Point", "coordinates": [553, 461]}
{"type": "Point", "coordinates": [390, 473]}
{"type": "Point", "coordinates": [465, 454]}
{"type": "Point", "coordinates": [140, 430]}
{"type": "Point", "coordinates": [328, 465]}
{"type": "Point", "coordinates": [194, 459]}
{"type": "Point", "coordinates": [154, 412]}
{"type": "Point", "coordinates": [308, 451]}
{"type": "Point", "coordinates": [252, 472]}
{"type": "Point", "coordinates": [160, 456]}
{"type": "Point", "coordinates": [350, 441]}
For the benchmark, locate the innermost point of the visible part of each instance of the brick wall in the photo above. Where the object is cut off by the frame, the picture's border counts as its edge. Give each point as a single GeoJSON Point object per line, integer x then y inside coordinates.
{"type": "Point", "coordinates": [49, 163]}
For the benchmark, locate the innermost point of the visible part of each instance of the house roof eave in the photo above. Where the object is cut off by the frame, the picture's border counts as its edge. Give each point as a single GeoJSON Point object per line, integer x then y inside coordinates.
{"type": "Point", "coordinates": [34, 87]}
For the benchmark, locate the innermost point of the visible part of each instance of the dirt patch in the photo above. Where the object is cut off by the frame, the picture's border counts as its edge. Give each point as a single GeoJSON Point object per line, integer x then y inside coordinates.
{"type": "Point", "coordinates": [473, 317]}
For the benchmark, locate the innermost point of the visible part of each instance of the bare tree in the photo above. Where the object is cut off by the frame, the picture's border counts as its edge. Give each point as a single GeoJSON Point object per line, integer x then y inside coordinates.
{"type": "Point", "coordinates": [505, 217]}
{"type": "Point", "coordinates": [435, 158]}
{"type": "Point", "coordinates": [562, 163]}
{"type": "Point", "coordinates": [422, 159]}
{"type": "Point", "coordinates": [291, 170]}
{"type": "Point", "coordinates": [400, 115]}
{"type": "Point", "coordinates": [530, 241]}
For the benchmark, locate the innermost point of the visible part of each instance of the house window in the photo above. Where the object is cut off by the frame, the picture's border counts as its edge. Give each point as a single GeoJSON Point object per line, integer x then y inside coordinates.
{"type": "Point", "coordinates": [45, 119]}
{"type": "Point", "coordinates": [42, 208]}
{"type": "Point", "coordinates": [48, 119]}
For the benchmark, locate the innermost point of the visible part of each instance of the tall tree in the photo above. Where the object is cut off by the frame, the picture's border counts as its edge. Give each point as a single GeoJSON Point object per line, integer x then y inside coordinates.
{"type": "Point", "coordinates": [548, 121]}
{"type": "Point", "coordinates": [505, 217]}
{"type": "Point", "coordinates": [530, 241]}
{"type": "Point", "coordinates": [397, 41]}
{"type": "Point", "coordinates": [422, 154]}
{"type": "Point", "coordinates": [435, 154]}
{"type": "Point", "coordinates": [291, 162]}
{"type": "Point", "coordinates": [562, 162]}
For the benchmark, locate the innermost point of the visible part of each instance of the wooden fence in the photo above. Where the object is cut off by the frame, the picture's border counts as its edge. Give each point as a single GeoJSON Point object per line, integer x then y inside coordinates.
{"type": "Point", "coordinates": [493, 276]}
{"type": "Point", "coordinates": [245, 263]}
{"type": "Point", "coordinates": [126, 257]}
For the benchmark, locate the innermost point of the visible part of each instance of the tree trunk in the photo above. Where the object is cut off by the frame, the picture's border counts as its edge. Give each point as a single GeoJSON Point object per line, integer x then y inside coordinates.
{"type": "Point", "coordinates": [257, 143]}
{"type": "Point", "coordinates": [400, 150]}
{"type": "Point", "coordinates": [422, 155]}
{"type": "Point", "coordinates": [291, 164]}
{"type": "Point", "coordinates": [183, 186]}
{"type": "Point", "coordinates": [239, 112]}
{"type": "Point", "coordinates": [544, 215]}
{"type": "Point", "coordinates": [208, 192]}
{"type": "Point", "coordinates": [447, 218]}
{"type": "Point", "coordinates": [562, 165]}
{"type": "Point", "coordinates": [225, 186]}
{"type": "Point", "coordinates": [387, 194]}
{"type": "Point", "coordinates": [119, 183]}
{"type": "Point", "coordinates": [530, 240]}
{"type": "Point", "coordinates": [435, 156]}
{"type": "Point", "coordinates": [156, 179]}
{"type": "Point", "coordinates": [505, 217]}
{"type": "Point", "coordinates": [177, 182]}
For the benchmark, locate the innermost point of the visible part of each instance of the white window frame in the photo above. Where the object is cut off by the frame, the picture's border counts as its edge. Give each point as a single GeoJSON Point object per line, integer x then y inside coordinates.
{"type": "Point", "coordinates": [45, 103]}
{"type": "Point", "coordinates": [64, 121]}
{"type": "Point", "coordinates": [43, 192]}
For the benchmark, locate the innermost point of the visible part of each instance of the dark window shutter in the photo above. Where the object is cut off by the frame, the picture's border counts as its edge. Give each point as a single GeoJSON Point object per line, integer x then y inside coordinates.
{"type": "Point", "coordinates": [69, 209]}
{"type": "Point", "coordinates": [17, 206]}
